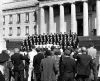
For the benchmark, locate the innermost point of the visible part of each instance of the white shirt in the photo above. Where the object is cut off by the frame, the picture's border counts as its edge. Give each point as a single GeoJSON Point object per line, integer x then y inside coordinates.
{"type": "Point", "coordinates": [31, 56]}
{"type": "Point", "coordinates": [92, 52]}
{"type": "Point", "coordinates": [61, 50]}
{"type": "Point", "coordinates": [2, 69]}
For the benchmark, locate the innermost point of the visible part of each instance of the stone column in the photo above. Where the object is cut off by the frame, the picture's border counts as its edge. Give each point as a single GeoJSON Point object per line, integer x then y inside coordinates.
{"type": "Point", "coordinates": [62, 25]}
{"type": "Point", "coordinates": [42, 21]}
{"type": "Point", "coordinates": [73, 18]}
{"type": "Point", "coordinates": [51, 20]}
{"type": "Point", "coordinates": [85, 19]}
{"type": "Point", "coordinates": [98, 17]}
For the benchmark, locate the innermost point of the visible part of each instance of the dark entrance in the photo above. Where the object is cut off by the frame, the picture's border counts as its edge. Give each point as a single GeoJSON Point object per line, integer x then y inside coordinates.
{"type": "Point", "coordinates": [80, 27]}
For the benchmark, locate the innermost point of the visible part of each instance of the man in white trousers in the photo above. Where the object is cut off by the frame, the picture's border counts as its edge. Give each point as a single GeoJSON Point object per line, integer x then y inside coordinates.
{"type": "Point", "coordinates": [31, 57]}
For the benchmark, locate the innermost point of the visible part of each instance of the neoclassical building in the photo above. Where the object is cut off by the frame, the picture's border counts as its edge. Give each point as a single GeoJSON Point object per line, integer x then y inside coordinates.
{"type": "Point", "coordinates": [79, 16]}
{"type": "Point", "coordinates": [28, 17]}
{"type": "Point", "coordinates": [19, 21]}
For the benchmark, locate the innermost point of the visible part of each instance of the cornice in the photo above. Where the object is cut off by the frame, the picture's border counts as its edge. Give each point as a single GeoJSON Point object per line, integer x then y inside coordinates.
{"type": "Point", "coordinates": [18, 5]}
{"type": "Point", "coordinates": [57, 2]}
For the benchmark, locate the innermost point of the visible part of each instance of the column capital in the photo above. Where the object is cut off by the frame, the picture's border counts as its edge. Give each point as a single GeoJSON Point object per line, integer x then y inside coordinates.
{"type": "Point", "coordinates": [51, 5]}
{"type": "Point", "coordinates": [85, 1]}
{"type": "Point", "coordinates": [60, 4]}
{"type": "Point", "coordinates": [73, 2]}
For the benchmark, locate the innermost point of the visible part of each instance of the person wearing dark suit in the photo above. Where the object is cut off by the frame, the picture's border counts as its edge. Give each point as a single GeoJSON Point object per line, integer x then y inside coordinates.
{"type": "Point", "coordinates": [26, 65]}
{"type": "Point", "coordinates": [48, 67]}
{"type": "Point", "coordinates": [36, 64]}
{"type": "Point", "coordinates": [67, 67]}
{"type": "Point", "coordinates": [17, 60]}
{"type": "Point", "coordinates": [84, 65]}
{"type": "Point", "coordinates": [2, 78]}
{"type": "Point", "coordinates": [4, 71]}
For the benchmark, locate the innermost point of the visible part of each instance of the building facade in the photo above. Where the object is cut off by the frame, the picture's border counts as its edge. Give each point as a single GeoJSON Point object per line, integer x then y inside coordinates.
{"type": "Point", "coordinates": [19, 21]}
{"type": "Point", "coordinates": [27, 17]}
{"type": "Point", "coordinates": [79, 16]}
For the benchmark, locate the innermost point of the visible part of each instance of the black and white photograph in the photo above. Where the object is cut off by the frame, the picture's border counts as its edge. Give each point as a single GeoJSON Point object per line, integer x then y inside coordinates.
{"type": "Point", "coordinates": [49, 40]}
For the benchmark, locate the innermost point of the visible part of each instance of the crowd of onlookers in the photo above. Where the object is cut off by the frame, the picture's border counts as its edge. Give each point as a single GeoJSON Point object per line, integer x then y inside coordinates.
{"type": "Point", "coordinates": [53, 64]}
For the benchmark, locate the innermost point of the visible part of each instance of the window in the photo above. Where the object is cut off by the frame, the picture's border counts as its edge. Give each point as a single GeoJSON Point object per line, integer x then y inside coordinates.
{"type": "Point", "coordinates": [10, 31]}
{"type": "Point", "coordinates": [18, 18]}
{"type": "Point", "coordinates": [27, 17]}
{"type": "Point", "coordinates": [93, 8]}
{"type": "Point", "coordinates": [35, 29]}
{"type": "Point", "coordinates": [3, 20]}
{"type": "Point", "coordinates": [10, 19]}
{"type": "Point", "coordinates": [79, 9]}
{"type": "Point", "coordinates": [18, 31]}
{"type": "Point", "coordinates": [27, 30]}
{"type": "Point", "coordinates": [35, 16]}
{"type": "Point", "coordinates": [3, 31]}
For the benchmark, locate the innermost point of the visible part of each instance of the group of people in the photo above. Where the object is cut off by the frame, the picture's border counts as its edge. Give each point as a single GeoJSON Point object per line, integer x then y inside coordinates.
{"type": "Point", "coordinates": [63, 40]}
{"type": "Point", "coordinates": [55, 64]}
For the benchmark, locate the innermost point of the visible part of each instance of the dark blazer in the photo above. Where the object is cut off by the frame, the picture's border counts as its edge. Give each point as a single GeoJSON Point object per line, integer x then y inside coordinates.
{"type": "Point", "coordinates": [26, 61]}
{"type": "Point", "coordinates": [84, 64]}
{"type": "Point", "coordinates": [17, 60]}
{"type": "Point", "coordinates": [36, 62]}
{"type": "Point", "coordinates": [2, 78]}
{"type": "Point", "coordinates": [68, 66]}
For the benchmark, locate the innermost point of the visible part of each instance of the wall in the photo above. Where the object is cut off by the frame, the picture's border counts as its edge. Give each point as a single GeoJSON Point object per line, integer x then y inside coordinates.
{"type": "Point", "coordinates": [22, 24]}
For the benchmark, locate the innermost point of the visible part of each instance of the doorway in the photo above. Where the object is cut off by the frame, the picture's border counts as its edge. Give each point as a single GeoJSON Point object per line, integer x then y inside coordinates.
{"type": "Point", "coordinates": [80, 27]}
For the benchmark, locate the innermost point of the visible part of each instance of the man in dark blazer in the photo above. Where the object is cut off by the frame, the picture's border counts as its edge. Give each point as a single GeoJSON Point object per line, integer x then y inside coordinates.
{"type": "Point", "coordinates": [26, 65]}
{"type": "Point", "coordinates": [84, 65]}
{"type": "Point", "coordinates": [17, 60]}
{"type": "Point", "coordinates": [68, 67]}
{"type": "Point", "coordinates": [36, 64]}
